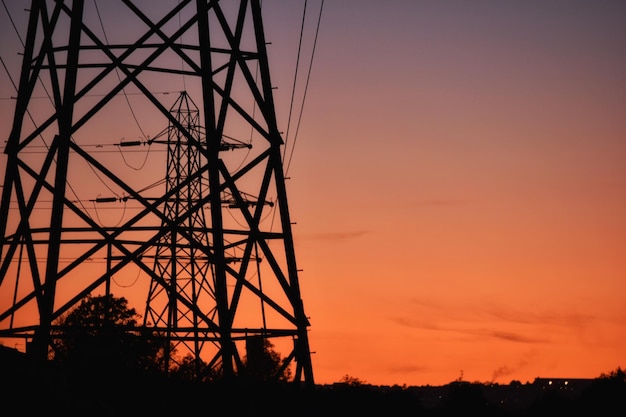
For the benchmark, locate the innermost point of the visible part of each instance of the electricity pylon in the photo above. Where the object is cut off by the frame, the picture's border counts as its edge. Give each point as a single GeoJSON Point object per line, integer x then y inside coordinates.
{"type": "Point", "coordinates": [202, 236]}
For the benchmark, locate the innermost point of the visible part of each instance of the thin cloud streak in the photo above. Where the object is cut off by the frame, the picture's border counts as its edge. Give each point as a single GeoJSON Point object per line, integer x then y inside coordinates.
{"type": "Point", "coordinates": [509, 315]}
{"type": "Point", "coordinates": [496, 322]}
{"type": "Point", "coordinates": [483, 332]}
{"type": "Point", "coordinates": [337, 236]}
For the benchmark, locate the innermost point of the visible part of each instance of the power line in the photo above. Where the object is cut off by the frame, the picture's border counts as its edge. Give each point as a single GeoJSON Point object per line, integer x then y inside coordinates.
{"type": "Point", "coordinates": [12, 22]}
{"type": "Point", "coordinates": [295, 76]}
{"type": "Point", "coordinates": [47, 94]}
{"type": "Point", "coordinates": [319, 18]}
{"type": "Point", "coordinates": [306, 87]}
{"type": "Point", "coordinates": [132, 112]}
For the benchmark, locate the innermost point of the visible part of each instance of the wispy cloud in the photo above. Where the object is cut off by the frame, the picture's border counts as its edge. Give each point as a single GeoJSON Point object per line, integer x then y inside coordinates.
{"type": "Point", "coordinates": [508, 336]}
{"type": "Point", "coordinates": [459, 326]}
{"type": "Point", "coordinates": [408, 369]}
{"type": "Point", "coordinates": [569, 319]}
{"type": "Point", "coordinates": [492, 311]}
{"type": "Point", "coordinates": [338, 236]}
{"type": "Point", "coordinates": [416, 323]}
{"type": "Point", "coordinates": [485, 321]}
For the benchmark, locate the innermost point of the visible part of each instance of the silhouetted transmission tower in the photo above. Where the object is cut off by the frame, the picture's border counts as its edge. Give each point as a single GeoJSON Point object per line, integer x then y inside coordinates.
{"type": "Point", "coordinates": [198, 229]}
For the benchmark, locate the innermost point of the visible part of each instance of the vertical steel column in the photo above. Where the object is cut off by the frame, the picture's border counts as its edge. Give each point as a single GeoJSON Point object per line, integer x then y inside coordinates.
{"type": "Point", "coordinates": [275, 159]}
{"type": "Point", "coordinates": [213, 141]}
{"type": "Point", "coordinates": [25, 89]}
{"type": "Point", "coordinates": [62, 145]}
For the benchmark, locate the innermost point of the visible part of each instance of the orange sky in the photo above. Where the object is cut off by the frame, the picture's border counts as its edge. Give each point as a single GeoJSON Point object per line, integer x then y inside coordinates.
{"type": "Point", "coordinates": [458, 185]}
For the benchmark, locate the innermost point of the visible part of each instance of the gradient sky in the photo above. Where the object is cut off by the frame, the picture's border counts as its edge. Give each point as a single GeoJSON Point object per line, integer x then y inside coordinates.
{"type": "Point", "coordinates": [458, 185]}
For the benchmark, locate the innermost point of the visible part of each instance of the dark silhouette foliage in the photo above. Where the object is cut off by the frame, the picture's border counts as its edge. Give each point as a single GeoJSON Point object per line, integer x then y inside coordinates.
{"type": "Point", "coordinates": [100, 338]}
{"type": "Point", "coordinates": [262, 363]}
{"type": "Point", "coordinates": [190, 368]}
{"type": "Point", "coordinates": [45, 394]}
{"type": "Point", "coordinates": [466, 398]}
{"type": "Point", "coordinates": [605, 396]}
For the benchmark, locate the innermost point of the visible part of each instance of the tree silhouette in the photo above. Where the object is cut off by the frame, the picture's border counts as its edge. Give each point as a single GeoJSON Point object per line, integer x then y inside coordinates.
{"type": "Point", "coordinates": [465, 398]}
{"type": "Point", "coordinates": [605, 396]}
{"type": "Point", "coordinates": [190, 368]}
{"type": "Point", "coordinates": [352, 380]}
{"type": "Point", "coordinates": [100, 337]}
{"type": "Point", "coordinates": [263, 363]}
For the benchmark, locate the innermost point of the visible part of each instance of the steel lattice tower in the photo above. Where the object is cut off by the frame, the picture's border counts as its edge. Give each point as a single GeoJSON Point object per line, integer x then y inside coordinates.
{"type": "Point", "coordinates": [179, 258]}
{"type": "Point", "coordinates": [203, 236]}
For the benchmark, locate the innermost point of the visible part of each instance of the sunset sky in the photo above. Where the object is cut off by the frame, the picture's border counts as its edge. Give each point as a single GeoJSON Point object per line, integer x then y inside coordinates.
{"type": "Point", "coordinates": [458, 184]}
